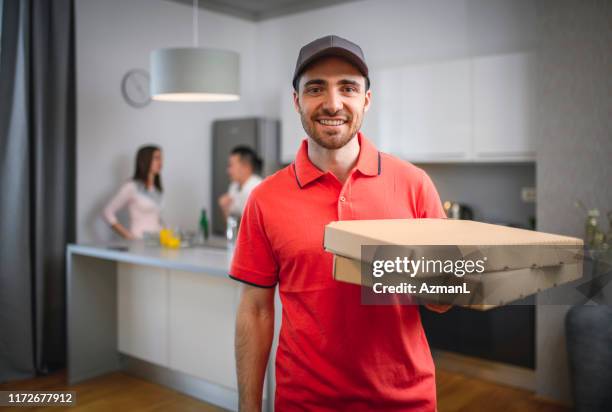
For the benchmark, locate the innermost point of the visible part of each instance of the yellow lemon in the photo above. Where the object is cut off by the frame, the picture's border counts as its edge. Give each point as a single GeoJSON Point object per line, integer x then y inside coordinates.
{"type": "Point", "coordinates": [174, 242]}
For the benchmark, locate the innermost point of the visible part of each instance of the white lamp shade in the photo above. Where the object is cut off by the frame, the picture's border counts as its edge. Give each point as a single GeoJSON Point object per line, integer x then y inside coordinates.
{"type": "Point", "coordinates": [190, 74]}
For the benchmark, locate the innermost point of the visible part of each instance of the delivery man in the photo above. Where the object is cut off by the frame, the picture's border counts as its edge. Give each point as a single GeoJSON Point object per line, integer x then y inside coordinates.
{"type": "Point", "coordinates": [334, 354]}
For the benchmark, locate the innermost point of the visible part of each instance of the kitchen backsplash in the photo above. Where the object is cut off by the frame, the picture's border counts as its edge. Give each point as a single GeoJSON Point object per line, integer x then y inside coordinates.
{"type": "Point", "coordinates": [493, 191]}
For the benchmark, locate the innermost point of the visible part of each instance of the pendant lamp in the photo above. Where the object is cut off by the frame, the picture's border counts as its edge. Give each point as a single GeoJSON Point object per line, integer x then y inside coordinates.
{"type": "Point", "coordinates": [195, 74]}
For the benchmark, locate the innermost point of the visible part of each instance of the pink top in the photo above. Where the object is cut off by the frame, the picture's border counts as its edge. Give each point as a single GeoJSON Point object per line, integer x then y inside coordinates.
{"type": "Point", "coordinates": [144, 207]}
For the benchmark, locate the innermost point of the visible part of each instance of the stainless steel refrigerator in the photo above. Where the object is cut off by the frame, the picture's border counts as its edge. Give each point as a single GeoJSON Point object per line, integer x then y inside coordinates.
{"type": "Point", "coordinates": [262, 135]}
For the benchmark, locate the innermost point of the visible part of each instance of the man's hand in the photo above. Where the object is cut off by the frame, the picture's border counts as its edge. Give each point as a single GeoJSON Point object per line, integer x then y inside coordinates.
{"type": "Point", "coordinates": [225, 201]}
{"type": "Point", "coordinates": [438, 308]}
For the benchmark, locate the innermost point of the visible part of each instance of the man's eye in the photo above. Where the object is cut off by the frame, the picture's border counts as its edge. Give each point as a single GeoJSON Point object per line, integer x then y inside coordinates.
{"type": "Point", "coordinates": [314, 90]}
{"type": "Point", "coordinates": [350, 89]}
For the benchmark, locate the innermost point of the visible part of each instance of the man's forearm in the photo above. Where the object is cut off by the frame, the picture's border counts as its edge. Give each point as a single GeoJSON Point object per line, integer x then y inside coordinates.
{"type": "Point", "coordinates": [254, 332]}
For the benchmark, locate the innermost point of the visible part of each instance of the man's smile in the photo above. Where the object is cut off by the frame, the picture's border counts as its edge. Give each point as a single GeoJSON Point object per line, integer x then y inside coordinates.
{"type": "Point", "coordinates": [331, 122]}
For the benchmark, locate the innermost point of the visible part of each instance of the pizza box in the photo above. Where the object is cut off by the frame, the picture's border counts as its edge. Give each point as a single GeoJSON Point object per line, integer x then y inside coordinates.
{"type": "Point", "coordinates": [487, 290]}
{"type": "Point", "coordinates": [504, 247]}
{"type": "Point", "coordinates": [514, 263]}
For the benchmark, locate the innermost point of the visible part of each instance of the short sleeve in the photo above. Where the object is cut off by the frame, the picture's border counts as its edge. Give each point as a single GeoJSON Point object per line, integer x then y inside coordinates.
{"type": "Point", "coordinates": [254, 262]}
{"type": "Point", "coordinates": [238, 203]}
{"type": "Point", "coordinates": [232, 189]}
{"type": "Point", "coordinates": [429, 202]}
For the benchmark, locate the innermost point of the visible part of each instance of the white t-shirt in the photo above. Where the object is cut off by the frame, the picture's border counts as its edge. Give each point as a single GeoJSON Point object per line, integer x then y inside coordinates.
{"type": "Point", "coordinates": [239, 195]}
{"type": "Point", "coordinates": [144, 207]}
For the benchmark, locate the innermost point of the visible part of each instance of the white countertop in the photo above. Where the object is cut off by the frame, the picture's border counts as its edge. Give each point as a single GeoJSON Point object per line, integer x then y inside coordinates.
{"type": "Point", "coordinates": [212, 260]}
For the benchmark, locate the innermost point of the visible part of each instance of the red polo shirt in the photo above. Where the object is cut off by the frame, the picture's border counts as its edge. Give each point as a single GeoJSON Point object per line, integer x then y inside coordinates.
{"type": "Point", "coordinates": [335, 354]}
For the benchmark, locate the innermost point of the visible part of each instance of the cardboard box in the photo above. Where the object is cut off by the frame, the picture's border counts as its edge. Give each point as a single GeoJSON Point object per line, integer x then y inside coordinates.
{"type": "Point", "coordinates": [489, 290]}
{"type": "Point", "coordinates": [505, 247]}
{"type": "Point", "coordinates": [517, 262]}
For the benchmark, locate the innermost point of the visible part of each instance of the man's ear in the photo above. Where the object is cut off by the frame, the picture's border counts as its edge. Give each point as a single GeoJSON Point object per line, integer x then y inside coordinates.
{"type": "Point", "coordinates": [368, 99]}
{"type": "Point", "coordinates": [296, 101]}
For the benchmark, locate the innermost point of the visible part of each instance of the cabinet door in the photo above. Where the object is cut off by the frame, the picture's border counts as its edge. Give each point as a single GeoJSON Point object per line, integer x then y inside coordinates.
{"type": "Point", "coordinates": [292, 132]}
{"type": "Point", "coordinates": [504, 107]}
{"type": "Point", "coordinates": [370, 126]}
{"type": "Point", "coordinates": [143, 312]}
{"type": "Point", "coordinates": [387, 97]}
{"type": "Point", "coordinates": [425, 114]}
{"type": "Point", "coordinates": [202, 322]}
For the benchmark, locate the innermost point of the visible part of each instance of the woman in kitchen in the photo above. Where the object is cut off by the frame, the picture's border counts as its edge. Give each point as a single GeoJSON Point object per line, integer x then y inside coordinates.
{"type": "Point", "coordinates": [142, 195]}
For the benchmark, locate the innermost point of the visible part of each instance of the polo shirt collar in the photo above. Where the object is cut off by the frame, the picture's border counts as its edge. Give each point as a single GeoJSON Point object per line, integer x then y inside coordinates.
{"type": "Point", "coordinates": [368, 162]}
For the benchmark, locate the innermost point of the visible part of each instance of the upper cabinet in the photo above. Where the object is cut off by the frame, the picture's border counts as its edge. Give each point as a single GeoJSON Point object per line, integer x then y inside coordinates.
{"type": "Point", "coordinates": [469, 110]}
{"type": "Point", "coordinates": [424, 111]}
{"type": "Point", "coordinates": [292, 131]}
{"type": "Point", "coordinates": [503, 107]}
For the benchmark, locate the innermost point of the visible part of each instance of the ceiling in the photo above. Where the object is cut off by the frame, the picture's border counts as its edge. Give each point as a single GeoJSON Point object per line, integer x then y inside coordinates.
{"type": "Point", "coordinates": [257, 10]}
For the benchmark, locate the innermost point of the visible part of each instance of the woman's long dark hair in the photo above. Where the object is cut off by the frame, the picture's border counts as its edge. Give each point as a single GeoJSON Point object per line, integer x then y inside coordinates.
{"type": "Point", "coordinates": [144, 157]}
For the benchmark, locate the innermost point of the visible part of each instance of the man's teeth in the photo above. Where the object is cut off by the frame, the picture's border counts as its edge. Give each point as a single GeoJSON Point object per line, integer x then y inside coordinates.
{"type": "Point", "coordinates": [332, 122]}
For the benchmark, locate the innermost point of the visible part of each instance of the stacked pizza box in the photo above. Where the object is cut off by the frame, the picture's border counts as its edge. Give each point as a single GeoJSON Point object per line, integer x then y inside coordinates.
{"type": "Point", "coordinates": [510, 263]}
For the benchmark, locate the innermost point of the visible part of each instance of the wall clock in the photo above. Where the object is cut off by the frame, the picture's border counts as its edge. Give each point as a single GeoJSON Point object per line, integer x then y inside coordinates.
{"type": "Point", "coordinates": [135, 88]}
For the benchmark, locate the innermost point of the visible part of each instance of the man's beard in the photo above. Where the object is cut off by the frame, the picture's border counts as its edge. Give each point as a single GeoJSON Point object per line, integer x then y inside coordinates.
{"type": "Point", "coordinates": [333, 141]}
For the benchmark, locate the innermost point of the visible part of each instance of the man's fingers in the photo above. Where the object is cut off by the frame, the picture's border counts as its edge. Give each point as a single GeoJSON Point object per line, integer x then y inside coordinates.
{"type": "Point", "coordinates": [438, 308]}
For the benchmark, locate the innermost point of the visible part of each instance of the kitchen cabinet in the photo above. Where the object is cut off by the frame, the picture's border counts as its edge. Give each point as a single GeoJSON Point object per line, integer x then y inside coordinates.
{"type": "Point", "coordinates": [504, 109]}
{"type": "Point", "coordinates": [505, 334]}
{"type": "Point", "coordinates": [167, 316]}
{"type": "Point", "coordinates": [468, 110]}
{"type": "Point", "coordinates": [370, 124]}
{"type": "Point", "coordinates": [142, 297]}
{"type": "Point", "coordinates": [178, 319]}
{"type": "Point", "coordinates": [387, 96]}
{"type": "Point", "coordinates": [202, 319]}
{"type": "Point", "coordinates": [292, 131]}
{"type": "Point", "coordinates": [479, 109]}
{"type": "Point", "coordinates": [424, 111]}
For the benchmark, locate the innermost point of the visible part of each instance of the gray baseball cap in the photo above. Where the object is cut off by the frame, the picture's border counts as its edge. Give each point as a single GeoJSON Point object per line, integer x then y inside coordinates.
{"type": "Point", "coordinates": [330, 46]}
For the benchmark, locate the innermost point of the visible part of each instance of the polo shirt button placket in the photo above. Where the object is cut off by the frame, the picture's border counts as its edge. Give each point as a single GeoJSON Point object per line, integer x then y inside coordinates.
{"type": "Point", "coordinates": [342, 208]}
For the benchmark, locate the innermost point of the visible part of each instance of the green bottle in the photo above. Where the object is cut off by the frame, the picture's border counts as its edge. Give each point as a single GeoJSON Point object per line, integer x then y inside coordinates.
{"type": "Point", "coordinates": [204, 224]}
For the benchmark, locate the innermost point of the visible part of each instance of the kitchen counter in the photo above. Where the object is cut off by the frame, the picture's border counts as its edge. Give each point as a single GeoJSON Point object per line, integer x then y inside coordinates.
{"type": "Point", "coordinates": [166, 315]}
{"type": "Point", "coordinates": [212, 260]}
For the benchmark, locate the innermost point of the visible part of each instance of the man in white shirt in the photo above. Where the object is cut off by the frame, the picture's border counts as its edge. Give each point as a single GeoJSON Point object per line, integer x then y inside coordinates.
{"type": "Point", "coordinates": [243, 168]}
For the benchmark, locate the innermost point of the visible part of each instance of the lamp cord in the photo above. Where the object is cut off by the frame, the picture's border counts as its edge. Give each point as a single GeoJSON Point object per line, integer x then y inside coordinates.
{"type": "Point", "coordinates": [195, 23]}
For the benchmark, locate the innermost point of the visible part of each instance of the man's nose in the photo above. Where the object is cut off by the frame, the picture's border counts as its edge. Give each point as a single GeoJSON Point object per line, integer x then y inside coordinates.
{"type": "Point", "coordinates": [332, 103]}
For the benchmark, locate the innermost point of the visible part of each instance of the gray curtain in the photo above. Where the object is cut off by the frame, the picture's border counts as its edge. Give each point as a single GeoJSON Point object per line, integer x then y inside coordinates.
{"type": "Point", "coordinates": [37, 182]}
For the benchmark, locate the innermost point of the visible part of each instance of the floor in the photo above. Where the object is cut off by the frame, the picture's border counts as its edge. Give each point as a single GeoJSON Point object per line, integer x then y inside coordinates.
{"type": "Point", "coordinates": [458, 393]}
{"type": "Point", "coordinates": [120, 392]}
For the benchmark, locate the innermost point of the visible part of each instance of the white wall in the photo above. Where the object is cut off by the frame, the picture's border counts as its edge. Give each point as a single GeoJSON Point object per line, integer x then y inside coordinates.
{"type": "Point", "coordinates": [573, 159]}
{"type": "Point", "coordinates": [114, 36]}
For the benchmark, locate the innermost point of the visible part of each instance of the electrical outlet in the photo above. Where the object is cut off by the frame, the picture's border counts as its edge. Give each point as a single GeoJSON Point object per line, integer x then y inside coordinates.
{"type": "Point", "coordinates": [528, 194]}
